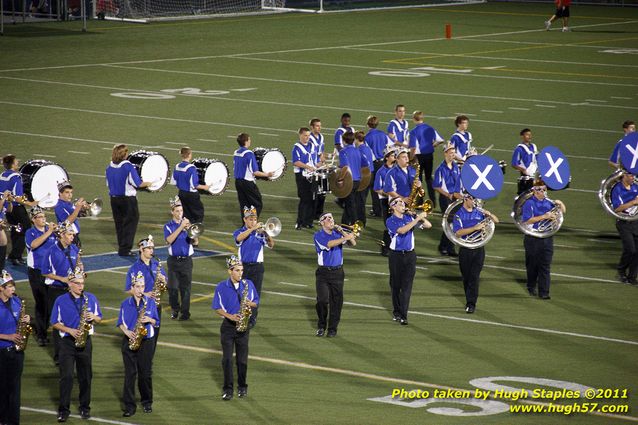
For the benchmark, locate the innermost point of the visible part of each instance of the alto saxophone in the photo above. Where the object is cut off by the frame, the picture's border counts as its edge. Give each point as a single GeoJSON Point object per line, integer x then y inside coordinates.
{"type": "Point", "coordinates": [135, 342]}
{"type": "Point", "coordinates": [85, 326]}
{"type": "Point", "coordinates": [159, 286]}
{"type": "Point", "coordinates": [416, 190]}
{"type": "Point", "coordinates": [24, 329]}
{"type": "Point", "coordinates": [244, 310]}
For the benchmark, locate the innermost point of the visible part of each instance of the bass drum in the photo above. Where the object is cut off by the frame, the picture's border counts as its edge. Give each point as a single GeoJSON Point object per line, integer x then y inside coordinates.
{"type": "Point", "coordinates": [40, 180]}
{"type": "Point", "coordinates": [214, 173]}
{"type": "Point", "coordinates": [270, 160]}
{"type": "Point", "coordinates": [152, 167]}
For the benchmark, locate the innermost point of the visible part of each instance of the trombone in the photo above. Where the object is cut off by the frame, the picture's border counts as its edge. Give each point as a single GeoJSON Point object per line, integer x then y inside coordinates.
{"type": "Point", "coordinates": [355, 229]}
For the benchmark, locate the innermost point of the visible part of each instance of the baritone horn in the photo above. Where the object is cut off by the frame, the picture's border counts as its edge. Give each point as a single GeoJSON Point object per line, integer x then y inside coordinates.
{"type": "Point", "coordinates": [91, 210]}
{"type": "Point", "coordinates": [272, 227]}
{"type": "Point", "coordinates": [195, 229]}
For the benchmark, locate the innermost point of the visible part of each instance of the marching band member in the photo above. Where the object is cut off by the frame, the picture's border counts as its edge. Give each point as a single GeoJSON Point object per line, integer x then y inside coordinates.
{"type": "Point", "coordinates": [398, 127]}
{"type": "Point", "coordinates": [362, 195]}
{"type": "Point", "coordinates": [350, 157]}
{"type": "Point", "coordinates": [245, 169]}
{"type": "Point", "coordinates": [186, 179]}
{"type": "Point", "coordinates": [402, 258]}
{"type": "Point", "coordinates": [303, 159]}
{"type": "Point", "coordinates": [624, 198]}
{"type": "Point", "coordinates": [39, 239]}
{"type": "Point", "coordinates": [66, 318]}
{"type": "Point", "coordinates": [11, 180]}
{"type": "Point", "coordinates": [55, 266]}
{"type": "Point", "coordinates": [539, 251]}
{"type": "Point", "coordinates": [423, 140]}
{"type": "Point", "coordinates": [227, 303]}
{"type": "Point", "coordinates": [329, 275]}
{"type": "Point", "coordinates": [5, 206]}
{"type": "Point", "coordinates": [379, 178]}
{"type": "Point", "coordinates": [614, 158]}
{"type": "Point", "coordinates": [147, 265]}
{"type": "Point", "coordinates": [65, 210]}
{"type": "Point", "coordinates": [11, 360]}
{"type": "Point", "coordinates": [343, 129]}
{"type": "Point", "coordinates": [251, 239]}
{"type": "Point", "coordinates": [524, 158]}
{"type": "Point", "coordinates": [398, 181]}
{"type": "Point", "coordinates": [461, 139]}
{"type": "Point", "coordinates": [447, 181]}
{"type": "Point", "coordinates": [319, 147]}
{"type": "Point", "coordinates": [123, 181]}
{"type": "Point", "coordinates": [138, 364]}
{"type": "Point", "coordinates": [378, 141]}
{"type": "Point", "coordinates": [468, 220]}
{"type": "Point", "coordinates": [179, 262]}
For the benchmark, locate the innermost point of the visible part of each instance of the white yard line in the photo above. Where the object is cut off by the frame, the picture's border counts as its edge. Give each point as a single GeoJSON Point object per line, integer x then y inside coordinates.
{"type": "Point", "coordinates": [93, 418]}
{"type": "Point", "coordinates": [292, 284]}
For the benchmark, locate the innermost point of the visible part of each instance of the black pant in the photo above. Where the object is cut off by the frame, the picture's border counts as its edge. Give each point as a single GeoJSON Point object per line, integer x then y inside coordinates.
{"type": "Point", "coordinates": [234, 341]}
{"type": "Point", "coordinates": [138, 362]}
{"type": "Point", "coordinates": [329, 285]}
{"type": "Point", "coordinates": [53, 292]}
{"type": "Point", "coordinates": [628, 264]}
{"type": "Point", "coordinates": [350, 205]}
{"type": "Point", "coordinates": [361, 198]}
{"type": "Point", "coordinates": [42, 313]}
{"type": "Point", "coordinates": [18, 216]}
{"type": "Point", "coordinates": [3, 256]}
{"type": "Point", "coordinates": [11, 365]}
{"type": "Point", "coordinates": [255, 273]}
{"type": "Point", "coordinates": [126, 216]}
{"type": "Point", "coordinates": [180, 276]}
{"type": "Point", "coordinates": [192, 205]}
{"type": "Point", "coordinates": [471, 263]}
{"type": "Point", "coordinates": [538, 260]}
{"type": "Point", "coordinates": [79, 359]}
{"type": "Point", "coordinates": [306, 206]}
{"type": "Point", "coordinates": [320, 201]}
{"type": "Point", "coordinates": [376, 203]}
{"type": "Point", "coordinates": [402, 271]}
{"type": "Point", "coordinates": [426, 162]}
{"type": "Point", "coordinates": [445, 245]}
{"type": "Point", "coordinates": [248, 194]}
{"type": "Point", "coordinates": [385, 213]}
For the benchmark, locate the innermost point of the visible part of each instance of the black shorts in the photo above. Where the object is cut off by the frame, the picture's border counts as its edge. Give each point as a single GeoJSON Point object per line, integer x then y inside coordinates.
{"type": "Point", "coordinates": [562, 12]}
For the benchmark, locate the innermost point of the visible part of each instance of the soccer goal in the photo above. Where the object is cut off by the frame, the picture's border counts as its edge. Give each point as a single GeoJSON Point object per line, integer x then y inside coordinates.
{"type": "Point", "coordinates": [325, 6]}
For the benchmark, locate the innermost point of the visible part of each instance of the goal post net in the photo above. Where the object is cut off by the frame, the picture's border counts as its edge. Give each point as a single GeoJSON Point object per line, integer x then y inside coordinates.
{"type": "Point", "coordinates": [325, 6]}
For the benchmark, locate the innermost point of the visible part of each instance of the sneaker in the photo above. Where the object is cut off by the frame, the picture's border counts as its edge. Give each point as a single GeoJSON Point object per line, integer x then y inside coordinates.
{"type": "Point", "coordinates": [332, 333]}
{"type": "Point", "coordinates": [396, 318]}
{"type": "Point", "coordinates": [565, 29]}
{"type": "Point", "coordinates": [547, 25]}
{"type": "Point", "coordinates": [531, 292]}
{"type": "Point", "coordinates": [242, 392]}
{"type": "Point", "coordinates": [404, 322]}
{"type": "Point", "coordinates": [469, 309]}
{"type": "Point", "coordinates": [85, 414]}
{"type": "Point", "coordinates": [228, 395]}
{"type": "Point", "coordinates": [174, 314]}
{"type": "Point", "coordinates": [320, 332]}
{"type": "Point", "coordinates": [545, 297]}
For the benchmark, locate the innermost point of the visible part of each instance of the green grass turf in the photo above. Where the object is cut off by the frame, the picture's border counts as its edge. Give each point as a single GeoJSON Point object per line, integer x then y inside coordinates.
{"type": "Point", "coordinates": [301, 66]}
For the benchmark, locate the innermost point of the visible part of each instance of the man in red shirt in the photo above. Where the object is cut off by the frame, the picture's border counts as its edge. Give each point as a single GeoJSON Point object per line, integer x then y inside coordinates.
{"type": "Point", "coordinates": [562, 11]}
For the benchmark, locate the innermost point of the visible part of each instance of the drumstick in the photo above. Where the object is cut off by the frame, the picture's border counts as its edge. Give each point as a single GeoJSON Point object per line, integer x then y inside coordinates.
{"type": "Point", "coordinates": [487, 149]}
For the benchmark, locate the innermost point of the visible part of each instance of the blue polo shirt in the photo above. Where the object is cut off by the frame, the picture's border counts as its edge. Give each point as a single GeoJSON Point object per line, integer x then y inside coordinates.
{"type": "Point", "coordinates": [67, 309]}
{"type": "Point", "coordinates": [329, 257]}
{"type": "Point", "coordinates": [60, 262]}
{"type": "Point", "coordinates": [129, 310]}
{"type": "Point", "coordinates": [122, 179]}
{"type": "Point", "coordinates": [302, 153]}
{"type": "Point", "coordinates": [351, 157]}
{"type": "Point", "coordinates": [339, 134]}
{"type": "Point", "coordinates": [379, 178]}
{"type": "Point", "coordinates": [399, 128]}
{"type": "Point", "coordinates": [464, 219]}
{"type": "Point", "coordinates": [319, 145]}
{"type": "Point", "coordinates": [422, 138]}
{"type": "Point", "coordinates": [149, 271]}
{"type": "Point", "coordinates": [462, 142]}
{"type": "Point", "coordinates": [34, 256]}
{"type": "Point", "coordinates": [377, 140]}
{"type": "Point", "coordinates": [534, 207]}
{"type": "Point", "coordinates": [63, 210]}
{"type": "Point", "coordinates": [615, 154]}
{"type": "Point", "coordinates": [404, 242]}
{"type": "Point", "coordinates": [11, 181]}
{"type": "Point", "coordinates": [182, 245]}
{"type": "Point", "coordinates": [244, 164]}
{"type": "Point", "coordinates": [448, 178]}
{"type": "Point", "coordinates": [251, 249]}
{"type": "Point", "coordinates": [229, 299]}
{"type": "Point", "coordinates": [367, 154]}
{"type": "Point", "coordinates": [620, 195]}
{"type": "Point", "coordinates": [9, 318]}
{"type": "Point", "coordinates": [524, 155]}
{"type": "Point", "coordinates": [185, 177]}
{"type": "Point", "coordinates": [399, 181]}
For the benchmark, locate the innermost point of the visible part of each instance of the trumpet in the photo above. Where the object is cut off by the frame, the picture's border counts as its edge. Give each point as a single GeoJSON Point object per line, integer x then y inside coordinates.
{"type": "Point", "coordinates": [272, 227]}
{"type": "Point", "coordinates": [355, 229]}
{"type": "Point", "coordinates": [426, 206]}
{"type": "Point", "coordinates": [4, 225]}
{"type": "Point", "coordinates": [93, 209]}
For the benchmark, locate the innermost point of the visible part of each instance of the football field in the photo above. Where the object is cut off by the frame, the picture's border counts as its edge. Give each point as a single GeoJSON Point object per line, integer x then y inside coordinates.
{"type": "Point", "coordinates": [68, 97]}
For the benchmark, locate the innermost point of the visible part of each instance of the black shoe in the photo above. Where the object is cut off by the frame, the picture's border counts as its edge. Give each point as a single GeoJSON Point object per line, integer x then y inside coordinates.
{"type": "Point", "coordinates": [396, 318]}
{"type": "Point", "coordinates": [148, 409]}
{"type": "Point", "coordinates": [452, 254]}
{"type": "Point", "coordinates": [469, 309]}
{"type": "Point", "coordinates": [251, 325]}
{"type": "Point", "coordinates": [298, 226]}
{"type": "Point", "coordinates": [128, 413]}
{"type": "Point", "coordinates": [622, 278]}
{"type": "Point", "coordinates": [42, 342]}
{"type": "Point", "coordinates": [545, 297]}
{"type": "Point", "coordinates": [128, 254]}
{"type": "Point", "coordinates": [85, 414]}
{"type": "Point", "coordinates": [184, 317]}
{"type": "Point", "coordinates": [228, 395]}
{"type": "Point", "coordinates": [332, 333]}
{"type": "Point", "coordinates": [632, 281]}
{"type": "Point", "coordinates": [531, 292]}
{"type": "Point", "coordinates": [308, 226]}
{"type": "Point", "coordinates": [443, 253]}
{"type": "Point", "coordinates": [62, 417]}
{"type": "Point", "coordinates": [174, 314]}
{"type": "Point", "coordinates": [320, 332]}
{"type": "Point", "coordinates": [242, 392]}
{"type": "Point", "coordinates": [404, 322]}
{"type": "Point", "coordinates": [18, 262]}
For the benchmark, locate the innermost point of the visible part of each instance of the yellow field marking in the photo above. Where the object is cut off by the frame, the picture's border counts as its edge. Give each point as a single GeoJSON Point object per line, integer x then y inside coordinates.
{"type": "Point", "coordinates": [575, 74]}
{"type": "Point", "coordinates": [228, 247]}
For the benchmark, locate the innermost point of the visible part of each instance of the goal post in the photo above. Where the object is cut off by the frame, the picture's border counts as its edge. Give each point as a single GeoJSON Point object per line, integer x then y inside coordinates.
{"type": "Point", "coordinates": [328, 6]}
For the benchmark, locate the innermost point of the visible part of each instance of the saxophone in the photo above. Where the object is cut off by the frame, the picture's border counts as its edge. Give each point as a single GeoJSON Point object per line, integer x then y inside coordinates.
{"type": "Point", "coordinates": [140, 331]}
{"type": "Point", "coordinates": [159, 286]}
{"type": "Point", "coordinates": [24, 329]}
{"type": "Point", "coordinates": [244, 310]}
{"type": "Point", "coordinates": [416, 191]}
{"type": "Point", "coordinates": [85, 326]}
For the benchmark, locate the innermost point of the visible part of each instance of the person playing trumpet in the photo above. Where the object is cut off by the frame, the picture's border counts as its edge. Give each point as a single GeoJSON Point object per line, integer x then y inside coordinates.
{"type": "Point", "coordinates": [250, 240]}
{"type": "Point", "coordinates": [402, 258]}
{"type": "Point", "coordinates": [329, 243]}
{"type": "Point", "coordinates": [66, 210]}
{"type": "Point", "coordinates": [179, 262]}
{"type": "Point", "coordinates": [624, 198]}
{"type": "Point", "coordinates": [539, 251]}
{"type": "Point", "coordinates": [467, 221]}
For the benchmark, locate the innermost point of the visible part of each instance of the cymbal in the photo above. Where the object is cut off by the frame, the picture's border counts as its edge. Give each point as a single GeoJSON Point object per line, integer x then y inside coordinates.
{"type": "Point", "coordinates": [340, 182]}
{"type": "Point", "coordinates": [366, 177]}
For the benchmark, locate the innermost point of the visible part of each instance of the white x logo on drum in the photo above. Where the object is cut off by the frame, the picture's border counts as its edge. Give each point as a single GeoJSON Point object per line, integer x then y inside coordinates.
{"type": "Point", "coordinates": [482, 177]}
{"type": "Point", "coordinates": [553, 169]}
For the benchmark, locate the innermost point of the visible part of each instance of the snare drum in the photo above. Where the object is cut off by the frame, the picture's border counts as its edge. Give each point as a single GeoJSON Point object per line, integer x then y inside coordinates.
{"type": "Point", "coordinates": [270, 160]}
{"type": "Point", "coordinates": [213, 173]}
{"type": "Point", "coordinates": [152, 167]}
{"type": "Point", "coordinates": [525, 183]}
{"type": "Point", "coordinates": [40, 179]}
{"type": "Point", "coordinates": [320, 182]}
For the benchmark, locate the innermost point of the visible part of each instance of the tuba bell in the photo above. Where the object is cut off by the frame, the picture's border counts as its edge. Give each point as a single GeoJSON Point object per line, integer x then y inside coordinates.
{"type": "Point", "coordinates": [272, 227]}
{"type": "Point", "coordinates": [195, 229]}
{"type": "Point", "coordinates": [604, 195]}
{"type": "Point", "coordinates": [473, 240]}
{"type": "Point", "coordinates": [91, 210]}
{"type": "Point", "coordinates": [545, 228]}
